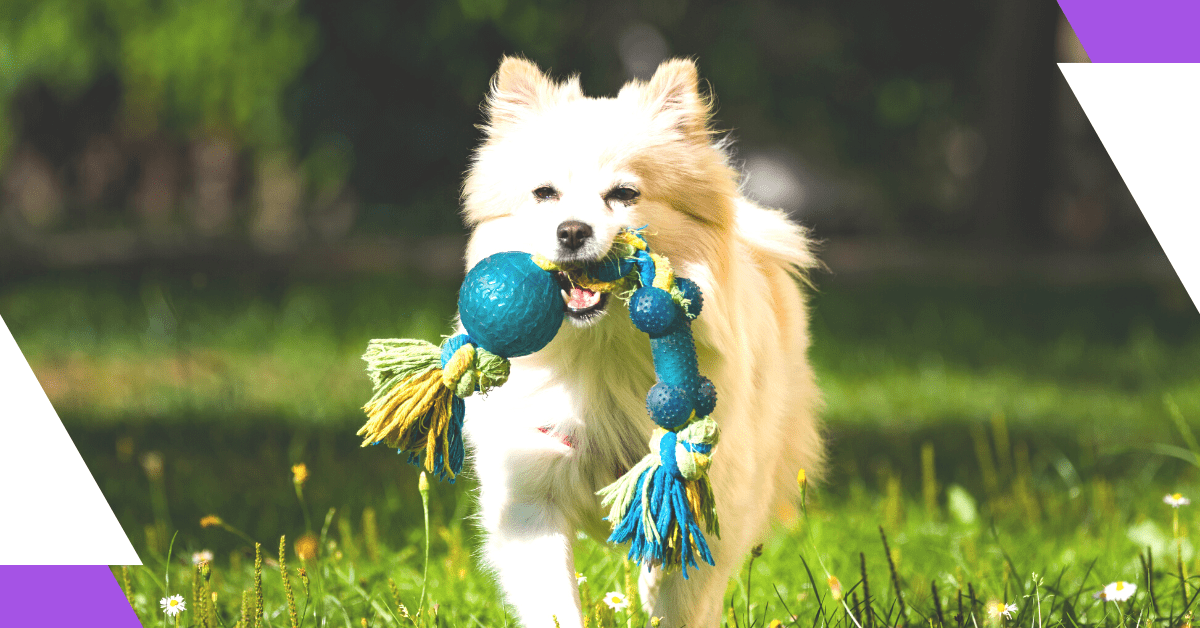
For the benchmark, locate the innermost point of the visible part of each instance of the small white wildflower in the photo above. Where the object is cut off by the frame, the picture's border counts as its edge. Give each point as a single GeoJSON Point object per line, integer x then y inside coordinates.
{"type": "Point", "coordinates": [580, 578]}
{"type": "Point", "coordinates": [1116, 592]}
{"type": "Point", "coordinates": [202, 555]}
{"type": "Point", "coordinates": [173, 605]}
{"type": "Point", "coordinates": [616, 601]}
{"type": "Point", "coordinates": [1176, 500]}
{"type": "Point", "coordinates": [996, 609]}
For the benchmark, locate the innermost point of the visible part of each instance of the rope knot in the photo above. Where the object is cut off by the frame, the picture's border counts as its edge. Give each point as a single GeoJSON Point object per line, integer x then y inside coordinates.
{"type": "Point", "coordinates": [468, 369]}
{"type": "Point", "coordinates": [459, 372]}
{"type": "Point", "coordinates": [693, 451]}
{"type": "Point", "coordinates": [687, 453]}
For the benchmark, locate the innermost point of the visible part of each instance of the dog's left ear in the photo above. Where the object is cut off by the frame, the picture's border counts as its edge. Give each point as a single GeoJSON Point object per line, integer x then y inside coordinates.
{"type": "Point", "coordinates": [673, 94]}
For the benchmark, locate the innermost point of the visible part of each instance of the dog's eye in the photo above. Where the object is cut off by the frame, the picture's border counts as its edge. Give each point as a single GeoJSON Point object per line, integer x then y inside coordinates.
{"type": "Point", "coordinates": [545, 193]}
{"type": "Point", "coordinates": [622, 193]}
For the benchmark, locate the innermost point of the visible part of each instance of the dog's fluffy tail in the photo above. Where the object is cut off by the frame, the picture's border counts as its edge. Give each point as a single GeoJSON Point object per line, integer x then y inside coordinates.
{"type": "Point", "coordinates": [781, 243]}
{"type": "Point", "coordinates": [776, 237]}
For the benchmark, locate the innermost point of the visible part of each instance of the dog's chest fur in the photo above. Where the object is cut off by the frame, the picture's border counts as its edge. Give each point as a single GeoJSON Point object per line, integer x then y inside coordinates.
{"type": "Point", "coordinates": [571, 419]}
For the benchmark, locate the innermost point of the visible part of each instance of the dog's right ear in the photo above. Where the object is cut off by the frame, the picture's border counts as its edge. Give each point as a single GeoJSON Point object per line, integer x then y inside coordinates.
{"type": "Point", "coordinates": [520, 88]}
{"type": "Point", "coordinates": [673, 95]}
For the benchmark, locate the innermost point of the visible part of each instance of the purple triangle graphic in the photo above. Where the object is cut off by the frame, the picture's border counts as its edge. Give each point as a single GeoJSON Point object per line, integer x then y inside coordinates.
{"type": "Point", "coordinates": [1151, 31]}
{"type": "Point", "coordinates": [56, 595]}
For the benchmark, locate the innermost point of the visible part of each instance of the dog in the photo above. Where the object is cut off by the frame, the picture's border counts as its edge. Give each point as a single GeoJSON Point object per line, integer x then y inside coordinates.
{"type": "Point", "coordinates": [559, 174]}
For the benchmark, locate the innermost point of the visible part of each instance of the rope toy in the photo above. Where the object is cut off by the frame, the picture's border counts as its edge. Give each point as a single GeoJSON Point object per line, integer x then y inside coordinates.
{"type": "Point", "coordinates": [510, 306]}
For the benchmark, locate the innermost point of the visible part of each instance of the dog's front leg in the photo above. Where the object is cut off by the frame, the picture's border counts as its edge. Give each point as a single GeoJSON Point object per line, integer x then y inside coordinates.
{"type": "Point", "coordinates": [527, 481]}
{"type": "Point", "coordinates": [529, 544]}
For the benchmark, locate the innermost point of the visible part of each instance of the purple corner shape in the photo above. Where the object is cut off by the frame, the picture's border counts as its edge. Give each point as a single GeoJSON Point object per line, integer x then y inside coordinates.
{"type": "Point", "coordinates": [1136, 31]}
{"type": "Point", "coordinates": [53, 595]}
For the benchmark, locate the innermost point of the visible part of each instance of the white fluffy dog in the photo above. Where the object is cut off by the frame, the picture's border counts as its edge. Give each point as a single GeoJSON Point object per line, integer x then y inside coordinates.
{"type": "Point", "coordinates": [559, 174]}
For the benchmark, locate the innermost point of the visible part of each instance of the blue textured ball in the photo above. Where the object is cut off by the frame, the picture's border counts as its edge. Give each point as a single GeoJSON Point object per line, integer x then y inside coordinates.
{"type": "Point", "coordinates": [692, 293]}
{"type": "Point", "coordinates": [669, 406]}
{"type": "Point", "coordinates": [652, 310]}
{"type": "Point", "coordinates": [509, 305]}
{"type": "Point", "coordinates": [706, 397]}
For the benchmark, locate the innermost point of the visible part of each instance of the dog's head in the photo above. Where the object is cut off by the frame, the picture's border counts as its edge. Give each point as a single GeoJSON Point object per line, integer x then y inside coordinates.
{"type": "Point", "coordinates": [560, 174]}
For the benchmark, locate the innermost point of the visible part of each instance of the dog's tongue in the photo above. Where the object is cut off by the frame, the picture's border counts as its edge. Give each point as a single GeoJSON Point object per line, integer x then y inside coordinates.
{"type": "Point", "coordinates": [582, 298]}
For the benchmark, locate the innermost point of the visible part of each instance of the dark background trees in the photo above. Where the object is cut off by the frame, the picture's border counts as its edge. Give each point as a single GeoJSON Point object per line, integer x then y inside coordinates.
{"type": "Point", "coordinates": [137, 130]}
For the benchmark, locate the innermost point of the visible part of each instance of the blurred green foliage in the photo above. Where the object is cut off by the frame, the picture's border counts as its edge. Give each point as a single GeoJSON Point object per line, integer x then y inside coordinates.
{"type": "Point", "coordinates": [865, 91]}
{"type": "Point", "coordinates": [863, 95]}
{"type": "Point", "coordinates": [189, 66]}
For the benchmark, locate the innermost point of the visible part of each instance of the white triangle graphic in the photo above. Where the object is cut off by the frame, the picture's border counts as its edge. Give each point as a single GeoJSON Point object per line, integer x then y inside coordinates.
{"type": "Point", "coordinates": [51, 511]}
{"type": "Point", "coordinates": [1148, 117]}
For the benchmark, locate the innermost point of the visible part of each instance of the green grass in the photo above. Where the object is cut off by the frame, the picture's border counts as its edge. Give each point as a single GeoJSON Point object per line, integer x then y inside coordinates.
{"type": "Point", "coordinates": [1075, 541]}
{"type": "Point", "coordinates": [1048, 414]}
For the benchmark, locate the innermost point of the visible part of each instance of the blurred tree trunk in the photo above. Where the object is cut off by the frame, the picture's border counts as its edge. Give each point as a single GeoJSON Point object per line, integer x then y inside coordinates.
{"type": "Point", "coordinates": [1019, 85]}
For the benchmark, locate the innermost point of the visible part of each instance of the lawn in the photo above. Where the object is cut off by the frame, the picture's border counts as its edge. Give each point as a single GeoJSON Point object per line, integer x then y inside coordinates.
{"type": "Point", "coordinates": [1012, 444]}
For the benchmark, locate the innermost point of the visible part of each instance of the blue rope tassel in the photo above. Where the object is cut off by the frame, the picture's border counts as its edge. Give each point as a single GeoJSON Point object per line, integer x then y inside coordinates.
{"type": "Point", "coordinates": [661, 505]}
{"type": "Point", "coordinates": [458, 411]}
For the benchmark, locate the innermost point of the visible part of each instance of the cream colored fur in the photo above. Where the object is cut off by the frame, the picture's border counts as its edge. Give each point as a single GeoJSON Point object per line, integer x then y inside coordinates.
{"type": "Point", "coordinates": [589, 385]}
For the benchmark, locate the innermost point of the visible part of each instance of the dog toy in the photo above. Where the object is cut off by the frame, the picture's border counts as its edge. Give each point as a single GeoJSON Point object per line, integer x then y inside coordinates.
{"type": "Point", "coordinates": [510, 306]}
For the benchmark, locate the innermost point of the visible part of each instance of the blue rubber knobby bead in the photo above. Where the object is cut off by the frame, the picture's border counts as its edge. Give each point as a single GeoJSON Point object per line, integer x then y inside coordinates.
{"type": "Point", "coordinates": [692, 293]}
{"type": "Point", "coordinates": [674, 353]}
{"type": "Point", "coordinates": [669, 406]}
{"type": "Point", "coordinates": [706, 397]}
{"type": "Point", "coordinates": [509, 305]}
{"type": "Point", "coordinates": [652, 310]}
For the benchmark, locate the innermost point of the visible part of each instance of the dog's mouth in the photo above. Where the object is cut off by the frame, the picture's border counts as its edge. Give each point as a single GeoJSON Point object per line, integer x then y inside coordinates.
{"type": "Point", "coordinates": [582, 304]}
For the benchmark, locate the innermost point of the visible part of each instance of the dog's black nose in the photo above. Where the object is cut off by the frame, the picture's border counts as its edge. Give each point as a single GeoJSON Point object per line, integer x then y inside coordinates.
{"type": "Point", "coordinates": [572, 234]}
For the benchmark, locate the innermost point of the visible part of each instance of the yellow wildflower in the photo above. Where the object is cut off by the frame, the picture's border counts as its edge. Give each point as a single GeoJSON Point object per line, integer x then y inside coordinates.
{"type": "Point", "coordinates": [299, 473]}
{"type": "Point", "coordinates": [835, 588]}
{"type": "Point", "coordinates": [306, 546]}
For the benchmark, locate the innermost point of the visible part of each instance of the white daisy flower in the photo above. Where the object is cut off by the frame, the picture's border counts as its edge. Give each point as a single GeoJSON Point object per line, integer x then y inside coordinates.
{"type": "Point", "coordinates": [580, 578]}
{"type": "Point", "coordinates": [173, 605]}
{"type": "Point", "coordinates": [616, 601]}
{"type": "Point", "coordinates": [1116, 592]}
{"type": "Point", "coordinates": [202, 555]}
{"type": "Point", "coordinates": [1176, 500]}
{"type": "Point", "coordinates": [996, 609]}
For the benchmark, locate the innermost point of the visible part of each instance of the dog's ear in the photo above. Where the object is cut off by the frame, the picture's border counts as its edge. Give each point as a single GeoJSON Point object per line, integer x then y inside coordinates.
{"type": "Point", "coordinates": [520, 88]}
{"type": "Point", "coordinates": [673, 94]}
